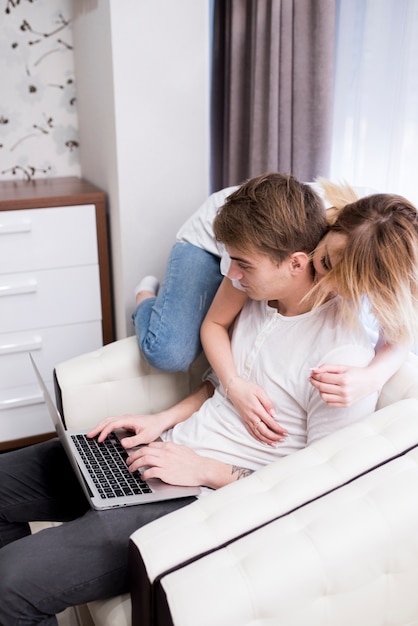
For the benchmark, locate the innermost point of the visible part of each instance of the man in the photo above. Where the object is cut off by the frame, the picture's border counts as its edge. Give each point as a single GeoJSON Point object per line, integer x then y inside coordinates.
{"type": "Point", "coordinates": [270, 227]}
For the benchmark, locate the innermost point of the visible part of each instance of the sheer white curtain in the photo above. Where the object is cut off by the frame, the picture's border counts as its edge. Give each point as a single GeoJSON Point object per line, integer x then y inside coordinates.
{"type": "Point", "coordinates": [375, 127]}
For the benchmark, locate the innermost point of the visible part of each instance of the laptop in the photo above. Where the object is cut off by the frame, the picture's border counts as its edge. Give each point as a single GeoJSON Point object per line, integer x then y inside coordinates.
{"type": "Point", "coordinates": [101, 468]}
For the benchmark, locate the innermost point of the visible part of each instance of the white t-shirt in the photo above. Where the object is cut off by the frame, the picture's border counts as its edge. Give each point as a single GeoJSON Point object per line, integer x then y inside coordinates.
{"type": "Point", "coordinates": [277, 353]}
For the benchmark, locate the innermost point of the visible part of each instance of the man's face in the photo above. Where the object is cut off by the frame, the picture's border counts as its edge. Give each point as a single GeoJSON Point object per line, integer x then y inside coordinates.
{"type": "Point", "coordinates": [259, 276]}
{"type": "Point", "coordinates": [328, 252]}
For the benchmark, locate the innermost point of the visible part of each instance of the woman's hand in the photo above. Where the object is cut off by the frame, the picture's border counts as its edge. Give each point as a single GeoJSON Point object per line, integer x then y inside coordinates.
{"type": "Point", "coordinates": [146, 428]}
{"type": "Point", "coordinates": [342, 386]}
{"type": "Point", "coordinates": [256, 411]}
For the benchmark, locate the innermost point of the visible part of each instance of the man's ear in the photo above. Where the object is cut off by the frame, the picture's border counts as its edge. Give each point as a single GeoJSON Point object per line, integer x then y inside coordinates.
{"type": "Point", "coordinates": [298, 262]}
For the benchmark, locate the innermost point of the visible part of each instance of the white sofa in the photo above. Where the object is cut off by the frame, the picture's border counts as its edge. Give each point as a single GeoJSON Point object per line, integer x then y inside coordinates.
{"type": "Point", "coordinates": [325, 536]}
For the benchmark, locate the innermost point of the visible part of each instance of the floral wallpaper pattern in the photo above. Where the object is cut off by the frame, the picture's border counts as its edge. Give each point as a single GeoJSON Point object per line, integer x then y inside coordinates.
{"type": "Point", "coordinates": [38, 114]}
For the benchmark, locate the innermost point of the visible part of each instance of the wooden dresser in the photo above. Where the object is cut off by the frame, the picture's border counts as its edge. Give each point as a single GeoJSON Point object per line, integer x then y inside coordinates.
{"type": "Point", "coordinates": [55, 292]}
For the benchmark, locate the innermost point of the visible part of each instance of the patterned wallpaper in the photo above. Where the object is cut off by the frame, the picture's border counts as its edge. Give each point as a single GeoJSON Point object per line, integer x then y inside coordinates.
{"type": "Point", "coordinates": [38, 114]}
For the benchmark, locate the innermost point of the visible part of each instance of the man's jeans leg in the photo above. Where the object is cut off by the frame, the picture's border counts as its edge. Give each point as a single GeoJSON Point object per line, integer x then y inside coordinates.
{"type": "Point", "coordinates": [37, 484]}
{"type": "Point", "coordinates": [168, 326]}
{"type": "Point", "coordinates": [79, 561]}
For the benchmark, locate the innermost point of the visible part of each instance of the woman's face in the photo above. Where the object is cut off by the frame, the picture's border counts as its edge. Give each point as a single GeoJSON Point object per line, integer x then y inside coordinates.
{"type": "Point", "coordinates": [328, 252]}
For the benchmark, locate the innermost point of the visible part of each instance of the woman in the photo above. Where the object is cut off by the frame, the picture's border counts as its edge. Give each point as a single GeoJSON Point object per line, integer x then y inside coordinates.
{"type": "Point", "coordinates": [370, 251]}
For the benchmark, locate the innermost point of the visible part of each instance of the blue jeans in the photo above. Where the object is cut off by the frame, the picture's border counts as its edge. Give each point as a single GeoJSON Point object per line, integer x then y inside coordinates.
{"type": "Point", "coordinates": [84, 559]}
{"type": "Point", "coordinates": [168, 326]}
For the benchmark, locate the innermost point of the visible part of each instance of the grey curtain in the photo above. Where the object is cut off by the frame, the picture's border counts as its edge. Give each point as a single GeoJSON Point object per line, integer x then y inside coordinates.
{"type": "Point", "coordinates": [272, 88]}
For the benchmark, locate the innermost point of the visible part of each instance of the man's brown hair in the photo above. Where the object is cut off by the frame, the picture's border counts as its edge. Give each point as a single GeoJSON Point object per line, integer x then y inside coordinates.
{"type": "Point", "coordinates": [274, 213]}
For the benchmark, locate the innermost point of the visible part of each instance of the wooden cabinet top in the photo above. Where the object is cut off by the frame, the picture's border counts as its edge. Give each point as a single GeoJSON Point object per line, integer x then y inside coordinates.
{"type": "Point", "coordinates": [48, 192]}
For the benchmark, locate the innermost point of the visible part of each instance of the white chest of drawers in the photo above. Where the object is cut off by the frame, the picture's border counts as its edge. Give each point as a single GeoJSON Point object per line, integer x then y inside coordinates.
{"type": "Point", "coordinates": [55, 296]}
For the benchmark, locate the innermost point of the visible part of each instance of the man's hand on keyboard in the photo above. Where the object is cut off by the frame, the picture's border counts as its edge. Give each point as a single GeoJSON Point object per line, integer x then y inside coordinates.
{"type": "Point", "coordinates": [173, 463]}
{"type": "Point", "coordinates": [179, 465]}
{"type": "Point", "coordinates": [144, 428]}
{"type": "Point", "coordinates": [147, 428]}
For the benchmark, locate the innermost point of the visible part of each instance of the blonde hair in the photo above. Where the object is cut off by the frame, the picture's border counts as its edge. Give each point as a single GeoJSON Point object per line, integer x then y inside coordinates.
{"type": "Point", "coordinates": [379, 261]}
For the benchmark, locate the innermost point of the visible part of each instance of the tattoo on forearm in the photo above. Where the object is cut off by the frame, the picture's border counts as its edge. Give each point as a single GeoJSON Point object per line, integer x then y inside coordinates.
{"type": "Point", "coordinates": [241, 471]}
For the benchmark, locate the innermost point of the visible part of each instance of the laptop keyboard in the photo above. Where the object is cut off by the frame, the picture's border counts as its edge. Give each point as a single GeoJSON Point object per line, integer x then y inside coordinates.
{"type": "Point", "coordinates": [107, 467]}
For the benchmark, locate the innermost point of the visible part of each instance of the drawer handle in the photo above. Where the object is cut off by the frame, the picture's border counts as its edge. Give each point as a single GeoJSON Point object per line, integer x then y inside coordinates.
{"type": "Point", "coordinates": [33, 343]}
{"type": "Point", "coordinates": [12, 403]}
{"type": "Point", "coordinates": [28, 286]}
{"type": "Point", "coordinates": [24, 226]}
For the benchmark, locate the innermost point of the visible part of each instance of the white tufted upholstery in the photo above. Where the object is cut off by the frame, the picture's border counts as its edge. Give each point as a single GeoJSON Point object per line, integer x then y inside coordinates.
{"type": "Point", "coordinates": [277, 488]}
{"type": "Point", "coordinates": [116, 380]}
{"type": "Point", "coordinates": [348, 558]}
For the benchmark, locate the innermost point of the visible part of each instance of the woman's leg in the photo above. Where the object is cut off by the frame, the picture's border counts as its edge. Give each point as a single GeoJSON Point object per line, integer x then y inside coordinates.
{"type": "Point", "coordinates": [82, 560]}
{"type": "Point", "coordinates": [168, 326]}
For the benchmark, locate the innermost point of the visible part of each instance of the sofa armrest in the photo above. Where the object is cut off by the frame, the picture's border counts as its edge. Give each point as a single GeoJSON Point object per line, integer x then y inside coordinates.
{"type": "Point", "coordinates": [270, 493]}
{"type": "Point", "coordinates": [350, 557]}
{"type": "Point", "coordinates": [117, 380]}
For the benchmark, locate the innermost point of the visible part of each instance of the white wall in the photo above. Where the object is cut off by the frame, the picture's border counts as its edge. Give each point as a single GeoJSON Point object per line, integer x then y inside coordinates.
{"type": "Point", "coordinates": [142, 69]}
